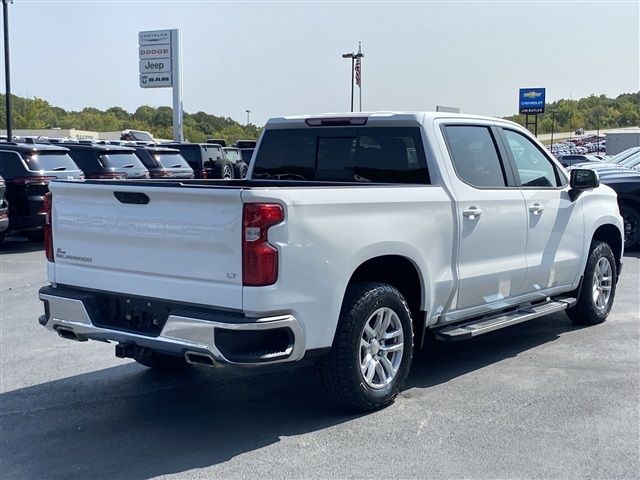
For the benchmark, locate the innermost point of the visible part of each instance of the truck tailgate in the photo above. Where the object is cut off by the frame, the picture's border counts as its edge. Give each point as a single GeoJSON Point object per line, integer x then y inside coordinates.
{"type": "Point", "coordinates": [184, 244]}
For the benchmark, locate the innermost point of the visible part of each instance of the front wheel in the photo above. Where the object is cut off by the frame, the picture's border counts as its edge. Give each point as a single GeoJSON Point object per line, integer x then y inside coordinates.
{"type": "Point", "coordinates": [595, 297]}
{"type": "Point", "coordinates": [373, 347]}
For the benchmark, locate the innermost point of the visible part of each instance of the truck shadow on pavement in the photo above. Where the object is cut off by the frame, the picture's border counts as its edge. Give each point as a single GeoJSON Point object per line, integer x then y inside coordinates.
{"type": "Point", "coordinates": [17, 244]}
{"type": "Point", "coordinates": [129, 422]}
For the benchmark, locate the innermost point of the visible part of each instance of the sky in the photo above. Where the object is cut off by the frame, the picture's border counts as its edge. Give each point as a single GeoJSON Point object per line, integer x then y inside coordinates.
{"type": "Point", "coordinates": [284, 58]}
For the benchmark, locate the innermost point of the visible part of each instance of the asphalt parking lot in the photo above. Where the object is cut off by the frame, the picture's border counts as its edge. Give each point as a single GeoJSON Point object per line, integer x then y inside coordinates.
{"type": "Point", "coordinates": [542, 399]}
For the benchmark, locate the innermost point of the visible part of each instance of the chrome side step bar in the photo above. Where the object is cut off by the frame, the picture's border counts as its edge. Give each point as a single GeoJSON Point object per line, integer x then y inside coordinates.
{"type": "Point", "coordinates": [478, 326]}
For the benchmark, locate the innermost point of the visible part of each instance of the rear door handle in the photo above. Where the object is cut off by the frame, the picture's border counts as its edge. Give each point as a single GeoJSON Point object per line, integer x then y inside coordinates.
{"type": "Point", "coordinates": [472, 212]}
{"type": "Point", "coordinates": [536, 209]}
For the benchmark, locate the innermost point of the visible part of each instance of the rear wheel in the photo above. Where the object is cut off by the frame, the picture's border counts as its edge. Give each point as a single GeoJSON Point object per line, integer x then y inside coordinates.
{"type": "Point", "coordinates": [161, 361]}
{"type": "Point", "coordinates": [631, 218]}
{"type": "Point", "coordinates": [370, 359]}
{"type": "Point", "coordinates": [223, 169]}
{"type": "Point", "coordinates": [596, 294]}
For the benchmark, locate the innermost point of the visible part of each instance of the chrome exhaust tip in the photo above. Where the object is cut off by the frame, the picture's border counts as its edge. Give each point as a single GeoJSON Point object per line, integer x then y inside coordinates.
{"type": "Point", "coordinates": [199, 358]}
{"type": "Point", "coordinates": [69, 334]}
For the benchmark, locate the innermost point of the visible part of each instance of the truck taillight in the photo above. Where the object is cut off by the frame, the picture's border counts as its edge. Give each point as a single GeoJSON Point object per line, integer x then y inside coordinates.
{"type": "Point", "coordinates": [48, 235]}
{"type": "Point", "coordinates": [259, 257]}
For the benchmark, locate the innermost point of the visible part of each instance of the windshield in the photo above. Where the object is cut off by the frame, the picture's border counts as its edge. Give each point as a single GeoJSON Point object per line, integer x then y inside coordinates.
{"type": "Point", "coordinates": [171, 160]}
{"type": "Point", "coordinates": [51, 162]}
{"type": "Point", "coordinates": [631, 161]}
{"type": "Point", "coordinates": [624, 155]}
{"type": "Point", "coordinates": [233, 154]}
{"type": "Point", "coordinates": [347, 154]}
{"type": "Point", "coordinates": [121, 160]}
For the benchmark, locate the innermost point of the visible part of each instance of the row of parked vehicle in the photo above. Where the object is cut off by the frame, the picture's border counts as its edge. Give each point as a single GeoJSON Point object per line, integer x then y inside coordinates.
{"type": "Point", "coordinates": [27, 167]}
{"type": "Point", "coordinates": [622, 173]}
{"type": "Point", "coordinates": [587, 144]}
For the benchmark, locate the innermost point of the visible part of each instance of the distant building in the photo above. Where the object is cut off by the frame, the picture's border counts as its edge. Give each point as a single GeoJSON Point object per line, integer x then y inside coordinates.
{"type": "Point", "coordinates": [54, 133]}
{"type": "Point", "coordinates": [620, 140]}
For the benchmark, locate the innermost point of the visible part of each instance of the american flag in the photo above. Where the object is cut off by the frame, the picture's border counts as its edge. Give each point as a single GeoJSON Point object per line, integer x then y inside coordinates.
{"type": "Point", "coordinates": [357, 69]}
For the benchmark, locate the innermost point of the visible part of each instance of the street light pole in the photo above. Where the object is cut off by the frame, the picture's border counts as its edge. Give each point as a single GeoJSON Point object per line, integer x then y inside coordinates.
{"type": "Point", "coordinates": [553, 119]}
{"type": "Point", "coordinates": [248, 112]}
{"type": "Point", "coordinates": [352, 57]}
{"type": "Point", "coordinates": [7, 69]}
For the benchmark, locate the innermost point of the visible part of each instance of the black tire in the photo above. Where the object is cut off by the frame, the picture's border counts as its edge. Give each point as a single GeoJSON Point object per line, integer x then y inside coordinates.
{"type": "Point", "coordinates": [162, 361]}
{"type": "Point", "coordinates": [631, 218]}
{"type": "Point", "coordinates": [341, 372]}
{"type": "Point", "coordinates": [585, 312]}
{"type": "Point", "coordinates": [223, 169]}
{"type": "Point", "coordinates": [240, 170]}
{"type": "Point", "coordinates": [34, 235]}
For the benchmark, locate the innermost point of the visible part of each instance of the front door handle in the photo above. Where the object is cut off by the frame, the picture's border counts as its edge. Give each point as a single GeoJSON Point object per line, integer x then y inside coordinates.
{"type": "Point", "coordinates": [472, 212]}
{"type": "Point", "coordinates": [536, 209]}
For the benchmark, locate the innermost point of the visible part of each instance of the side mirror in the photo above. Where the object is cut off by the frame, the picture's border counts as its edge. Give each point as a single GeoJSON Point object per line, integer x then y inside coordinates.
{"type": "Point", "coordinates": [582, 179]}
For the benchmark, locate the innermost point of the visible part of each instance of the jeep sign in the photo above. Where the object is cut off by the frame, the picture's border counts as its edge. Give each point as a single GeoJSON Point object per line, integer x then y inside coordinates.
{"type": "Point", "coordinates": [161, 65]}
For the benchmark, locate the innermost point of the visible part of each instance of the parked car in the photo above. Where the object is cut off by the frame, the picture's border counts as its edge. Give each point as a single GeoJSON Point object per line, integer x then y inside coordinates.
{"type": "Point", "coordinates": [626, 183]}
{"type": "Point", "coordinates": [245, 144]}
{"type": "Point", "coordinates": [27, 170]}
{"type": "Point", "coordinates": [205, 159]}
{"type": "Point", "coordinates": [163, 162]}
{"type": "Point", "coordinates": [217, 141]}
{"type": "Point", "coordinates": [246, 153]}
{"type": "Point", "coordinates": [240, 168]}
{"type": "Point", "coordinates": [347, 241]}
{"type": "Point", "coordinates": [104, 161]}
{"type": "Point", "coordinates": [569, 160]}
{"type": "Point", "coordinates": [4, 210]}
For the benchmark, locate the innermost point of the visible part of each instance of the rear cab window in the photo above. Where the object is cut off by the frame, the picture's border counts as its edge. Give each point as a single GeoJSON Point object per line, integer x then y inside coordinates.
{"type": "Point", "coordinates": [343, 154]}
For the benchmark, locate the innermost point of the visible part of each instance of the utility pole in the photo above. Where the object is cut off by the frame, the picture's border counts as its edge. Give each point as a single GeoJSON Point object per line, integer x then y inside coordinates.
{"type": "Point", "coordinates": [7, 68]}
{"type": "Point", "coordinates": [248, 112]}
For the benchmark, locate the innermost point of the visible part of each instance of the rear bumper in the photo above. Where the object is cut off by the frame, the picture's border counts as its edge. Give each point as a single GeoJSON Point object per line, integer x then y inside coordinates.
{"type": "Point", "coordinates": [221, 336]}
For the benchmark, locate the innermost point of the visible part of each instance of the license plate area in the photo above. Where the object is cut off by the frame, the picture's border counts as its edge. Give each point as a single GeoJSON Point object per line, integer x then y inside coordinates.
{"type": "Point", "coordinates": [132, 314]}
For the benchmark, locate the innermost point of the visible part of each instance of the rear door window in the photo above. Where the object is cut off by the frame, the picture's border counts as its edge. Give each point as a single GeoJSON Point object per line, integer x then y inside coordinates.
{"type": "Point", "coordinates": [475, 156]}
{"type": "Point", "coordinates": [369, 154]}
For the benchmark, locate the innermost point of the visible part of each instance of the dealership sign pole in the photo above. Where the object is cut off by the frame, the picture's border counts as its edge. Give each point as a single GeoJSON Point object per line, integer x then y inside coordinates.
{"type": "Point", "coordinates": [160, 65]}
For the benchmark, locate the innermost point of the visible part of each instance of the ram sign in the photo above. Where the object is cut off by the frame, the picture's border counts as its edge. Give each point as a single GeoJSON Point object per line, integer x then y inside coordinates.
{"type": "Point", "coordinates": [531, 101]}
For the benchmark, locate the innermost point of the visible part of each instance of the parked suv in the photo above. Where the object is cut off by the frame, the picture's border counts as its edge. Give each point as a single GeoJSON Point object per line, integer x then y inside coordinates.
{"type": "Point", "coordinates": [102, 161]}
{"type": "Point", "coordinates": [163, 162]}
{"type": "Point", "coordinates": [4, 211]}
{"type": "Point", "coordinates": [240, 168]}
{"type": "Point", "coordinates": [27, 170]}
{"type": "Point", "coordinates": [206, 159]}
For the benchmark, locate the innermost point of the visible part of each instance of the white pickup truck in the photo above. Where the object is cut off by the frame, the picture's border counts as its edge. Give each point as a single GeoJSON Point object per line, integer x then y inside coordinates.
{"type": "Point", "coordinates": [353, 237]}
